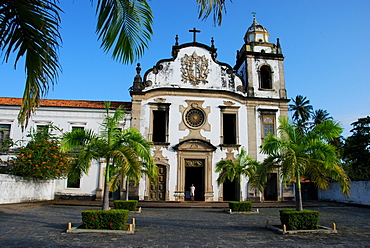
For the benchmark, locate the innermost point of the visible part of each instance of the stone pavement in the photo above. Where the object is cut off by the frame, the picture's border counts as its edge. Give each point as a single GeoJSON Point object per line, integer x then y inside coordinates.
{"type": "Point", "coordinates": [44, 224]}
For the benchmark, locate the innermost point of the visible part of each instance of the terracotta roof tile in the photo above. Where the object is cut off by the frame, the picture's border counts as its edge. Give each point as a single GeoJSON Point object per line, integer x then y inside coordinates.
{"type": "Point", "coordinates": [9, 101]}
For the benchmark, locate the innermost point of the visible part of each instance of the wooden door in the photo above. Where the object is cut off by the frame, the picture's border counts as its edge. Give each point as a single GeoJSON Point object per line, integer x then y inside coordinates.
{"type": "Point", "coordinates": [158, 191]}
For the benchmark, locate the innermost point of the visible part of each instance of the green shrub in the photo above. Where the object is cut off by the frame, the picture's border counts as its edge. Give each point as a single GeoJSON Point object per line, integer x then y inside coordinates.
{"type": "Point", "coordinates": [114, 219]}
{"type": "Point", "coordinates": [244, 206]}
{"type": "Point", "coordinates": [41, 158]}
{"type": "Point", "coordinates": [5, 146]}
{"type": "Point", "coordinates": [299, 220]}
{"type": "Point", "coordinates": [130, 205]}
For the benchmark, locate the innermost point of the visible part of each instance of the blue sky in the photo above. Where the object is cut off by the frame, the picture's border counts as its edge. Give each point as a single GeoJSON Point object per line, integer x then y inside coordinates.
{"type": "Point", "coordinates": [325, 44]}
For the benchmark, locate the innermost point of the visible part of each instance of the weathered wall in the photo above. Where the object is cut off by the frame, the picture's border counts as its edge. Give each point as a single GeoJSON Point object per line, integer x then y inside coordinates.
{"type": "Point", "coordinates": [360, 193]}
{"type": "Point", "coordinates": [15, 190]}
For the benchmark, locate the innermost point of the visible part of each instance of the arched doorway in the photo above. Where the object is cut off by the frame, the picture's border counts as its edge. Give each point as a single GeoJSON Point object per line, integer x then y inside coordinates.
{"type": "Point", "coordinates": [158, 190]}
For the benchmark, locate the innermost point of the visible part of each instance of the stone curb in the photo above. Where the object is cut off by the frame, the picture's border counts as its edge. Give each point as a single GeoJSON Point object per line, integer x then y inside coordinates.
{"type": "Point", "coordinates": [322, 229]}
{"type": "Point", "coordinates": [131, 230]}
{"type": "Point", "coordinates": [76, 230]}
{"type": "Point", "coordinates": [249, 212]}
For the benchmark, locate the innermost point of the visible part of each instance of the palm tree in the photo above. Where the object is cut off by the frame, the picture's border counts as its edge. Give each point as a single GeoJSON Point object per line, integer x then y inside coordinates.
{"type": "Point", "coordinates": [125, 152]}
{"type": "Point", "coordinates": [243, 164]}
{"type": "Point", "coordinates": [320, 115]}
{"type": "Point", "coordinates": [296, 155]}
{"type": "Point", "coordinates": [302, 110]}
{"type": "Point", "coordinates": [31, 29]}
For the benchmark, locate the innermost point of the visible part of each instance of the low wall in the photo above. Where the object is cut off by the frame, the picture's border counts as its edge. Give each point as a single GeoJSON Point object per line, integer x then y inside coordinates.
{"type": "Point", "coordinates": [15, 190]}
{"type": "Point", "coordinates": [360, 193]}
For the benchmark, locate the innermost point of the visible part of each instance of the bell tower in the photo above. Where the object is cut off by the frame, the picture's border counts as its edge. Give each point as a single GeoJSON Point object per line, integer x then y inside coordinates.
{"type": "Point", "coordinates": [260, 64]}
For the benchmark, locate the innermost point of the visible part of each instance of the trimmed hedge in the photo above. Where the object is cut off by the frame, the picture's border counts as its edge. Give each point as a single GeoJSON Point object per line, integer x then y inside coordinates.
{"type": "Point", "coordinates": [299, 220]}
{"type": "Point", "coordinates": [244, 206]}
{"type": "Point", "coordinates": [114, 219]}
{"type": "Point", "coordinates": [130, 205]}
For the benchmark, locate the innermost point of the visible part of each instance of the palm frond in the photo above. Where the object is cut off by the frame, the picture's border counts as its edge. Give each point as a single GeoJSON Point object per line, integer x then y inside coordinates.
{"type": "Point", "coordinates": [31, 29]}
{"type": "Point", "coordinates": [215, 7]}
{"type": "Point", "coordinates": [262, 172]}
{"type": "Point", "coordinates": [76, 139]}
{"type": "Point", "coordinates": [243, 164]}
{"type": "Point", "coordinates": [124, 26]}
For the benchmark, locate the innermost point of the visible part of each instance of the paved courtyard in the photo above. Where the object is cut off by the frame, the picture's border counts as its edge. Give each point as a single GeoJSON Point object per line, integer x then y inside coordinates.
{"type": "Point", "coordinates": [44, 224]}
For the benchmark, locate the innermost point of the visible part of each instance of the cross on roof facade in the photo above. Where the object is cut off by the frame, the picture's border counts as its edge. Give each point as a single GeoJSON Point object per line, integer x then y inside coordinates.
{"type": "Point", "coordinates": [194, 31]}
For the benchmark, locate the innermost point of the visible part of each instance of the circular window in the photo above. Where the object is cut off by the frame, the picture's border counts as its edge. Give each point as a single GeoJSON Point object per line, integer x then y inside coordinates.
{"type": "Point", "coordinates": [194, 117]}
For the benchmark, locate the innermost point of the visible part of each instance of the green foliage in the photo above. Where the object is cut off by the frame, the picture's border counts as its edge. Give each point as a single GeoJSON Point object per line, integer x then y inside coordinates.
{"type": "Point", "coordinates": [243, 164]}
{"type": "Point", "coordinates": [126, 152]}
{"type": "Point", "coordinates": [299, 220]}
{"type": "Point", "coordinates": [41, 158]}
{"type": "Point", "coordinates": [301, 109]}
{"type": "Point", "coordinates": [206, 7]}
{"type": "Point", "coordinates": [356, 151]}
{"type": "Point", "coordinates": [130, 205]}
{"type": "Point", "coordinates": [5, 145]}
{"type": "Point", "coordinates": [244, 206]}
{"type": "Point", "coordinates": [298, 154]}
{"type": "Point", "coordinates": [114, 219]}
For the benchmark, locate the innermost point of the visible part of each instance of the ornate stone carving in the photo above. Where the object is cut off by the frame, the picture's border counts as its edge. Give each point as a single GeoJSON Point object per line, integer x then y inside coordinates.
{"type": "Point", "coordinates": [158, 155]}
{"type": "Point", "coordinates": [195, 117]}
{"type": "Point", "coordinates": [160, 99]}
{"type": "Point", "coordinates": [230, 154]}
{"type": "Point", "coordinates": [194, 69]}
{"type": "Point", "coordinates": [147, 83]}
{"type": "Point", "coordinates": [240, 88]}
{"type": "Point", "coordinates": [194, 162]}
{"type": "Point", "coordinates": [229, 103]}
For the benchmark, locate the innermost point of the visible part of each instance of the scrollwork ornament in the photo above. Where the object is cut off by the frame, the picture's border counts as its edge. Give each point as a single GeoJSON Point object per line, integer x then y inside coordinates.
{"type": "Point", "coordinates": [194, 69]}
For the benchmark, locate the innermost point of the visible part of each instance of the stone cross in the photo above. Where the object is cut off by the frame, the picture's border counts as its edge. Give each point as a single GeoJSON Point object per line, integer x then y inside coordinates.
{"type": "Point", "coordinates": [194, 31]}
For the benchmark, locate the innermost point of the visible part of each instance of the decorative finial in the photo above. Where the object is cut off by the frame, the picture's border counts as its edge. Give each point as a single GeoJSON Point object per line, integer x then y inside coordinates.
{"type": "Point", "coordinates": [138, 69]}
{"type": "Point", "coordinates": [177, 40]}
{"type": "Point", "coordinates": [213, 43]}
{"type": "Point", "coordinates": [254, 17]}
{"type": "Point", "coordinates": [278, 47]}
{"type": "Point", "coordinates": [194, 31]}
{"type": "Point", "coordinates": [137, 80]}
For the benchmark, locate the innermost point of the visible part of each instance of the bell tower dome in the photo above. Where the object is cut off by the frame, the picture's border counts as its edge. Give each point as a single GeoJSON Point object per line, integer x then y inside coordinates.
{"type": "Point", "coordinates": [256, 33]}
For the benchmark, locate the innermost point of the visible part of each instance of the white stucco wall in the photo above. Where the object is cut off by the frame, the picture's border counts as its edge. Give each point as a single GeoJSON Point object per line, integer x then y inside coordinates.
{"type": "Point", "coordinates": [88, 183]}
{"type": "Point", "coordinates": [15, 190]}
{"type": "Point", "coordinates": [360, 193]}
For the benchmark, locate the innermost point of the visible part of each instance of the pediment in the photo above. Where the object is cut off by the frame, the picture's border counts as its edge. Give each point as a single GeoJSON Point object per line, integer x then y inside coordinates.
{"type": "Point", "coordinates": [195, 145]}
{"type": "Point", "coordinates": [193, 67]}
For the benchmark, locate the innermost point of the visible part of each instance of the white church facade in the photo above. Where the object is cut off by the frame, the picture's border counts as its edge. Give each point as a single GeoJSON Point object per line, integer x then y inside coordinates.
{"type": "Point", "coordinates": [196, 110]}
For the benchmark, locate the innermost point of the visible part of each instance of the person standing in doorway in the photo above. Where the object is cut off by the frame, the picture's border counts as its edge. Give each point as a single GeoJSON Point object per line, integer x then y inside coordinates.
{"type": "Point", "coordinates": [192, 192]}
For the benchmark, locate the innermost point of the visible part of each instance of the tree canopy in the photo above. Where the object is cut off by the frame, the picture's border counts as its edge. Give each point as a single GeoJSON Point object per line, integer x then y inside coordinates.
{"type": "Point", "coordinates": [295, 155]}
{"type": "Point", "coordinates": [356, 150]}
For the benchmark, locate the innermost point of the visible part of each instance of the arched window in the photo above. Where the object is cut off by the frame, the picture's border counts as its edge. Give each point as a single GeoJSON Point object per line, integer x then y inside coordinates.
{"type": "Point", "coordinates": [265, 77]}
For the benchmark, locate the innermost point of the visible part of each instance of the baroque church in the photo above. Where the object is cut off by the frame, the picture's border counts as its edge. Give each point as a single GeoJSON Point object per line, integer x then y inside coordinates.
{"type": "Point", "coordinates": [196, 110]}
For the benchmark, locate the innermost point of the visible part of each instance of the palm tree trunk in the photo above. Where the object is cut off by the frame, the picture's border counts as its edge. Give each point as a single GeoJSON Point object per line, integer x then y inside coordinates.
{"type": "Point", "coordinates": [298, 193]}
{"type": "Point", "coordinates": [127, 187]}
{"type": "Point", "coordinates": [105, 205]}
